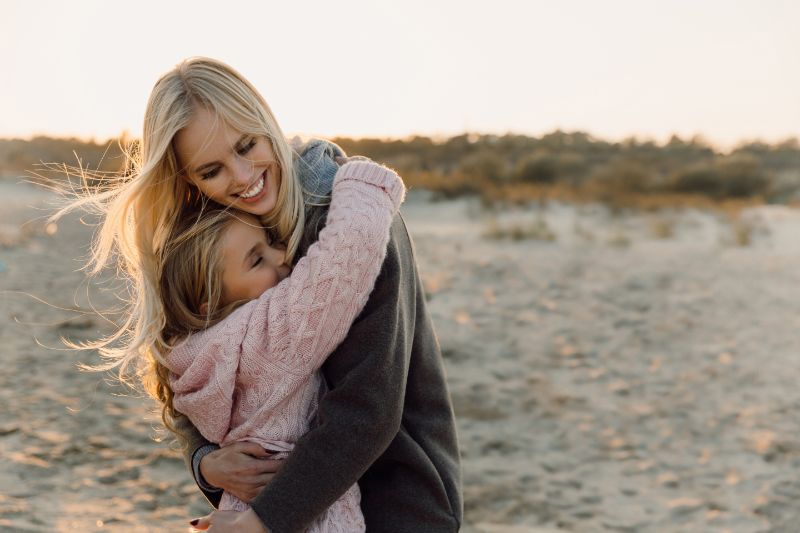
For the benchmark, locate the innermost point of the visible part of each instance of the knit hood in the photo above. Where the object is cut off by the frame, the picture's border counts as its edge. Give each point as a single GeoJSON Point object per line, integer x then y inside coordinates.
{"type": "Point", "coordinates": [316, 167]}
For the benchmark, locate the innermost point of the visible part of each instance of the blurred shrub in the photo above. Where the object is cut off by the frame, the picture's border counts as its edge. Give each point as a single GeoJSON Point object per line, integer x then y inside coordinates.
{"type": "Point", "coordinates": [544, 167]}
{"type": "Point", "coordinates": [743, 177]}
{"type": "Point", "coordinates": [735, 176]}
{"type": "Point", "coordinates": [625, 177]}
{"type": "Point", "coordinates": [570, 166]}
{"type": "Point", "coordinates": [446, 186]}
{"type": "Point", "coordinates": [19, 155]}
{"type": "Point", "coordinates": [483, 165]}
{"type": "Point", "coordinates": [698, 179]}
{"type": "Point", "coordinates": [537, 168]}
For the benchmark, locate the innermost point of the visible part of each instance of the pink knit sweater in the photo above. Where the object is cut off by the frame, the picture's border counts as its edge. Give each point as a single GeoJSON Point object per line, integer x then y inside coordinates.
{"type": "Point", "coordinates": [255, 376]}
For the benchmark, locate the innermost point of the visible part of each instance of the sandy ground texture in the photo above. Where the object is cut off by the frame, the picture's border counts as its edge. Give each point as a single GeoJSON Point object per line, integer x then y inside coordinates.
{"type": "Point", "coordinates": [629, 373]}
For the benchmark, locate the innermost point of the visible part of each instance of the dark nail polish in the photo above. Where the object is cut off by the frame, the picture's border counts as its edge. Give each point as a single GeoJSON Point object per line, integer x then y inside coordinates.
{"type": "Point", "coordinates": [195, 521]}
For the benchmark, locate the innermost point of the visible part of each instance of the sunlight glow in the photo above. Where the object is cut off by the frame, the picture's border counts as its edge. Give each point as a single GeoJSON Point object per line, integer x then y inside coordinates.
{"type": "Point", "coordinates": [379, 68]}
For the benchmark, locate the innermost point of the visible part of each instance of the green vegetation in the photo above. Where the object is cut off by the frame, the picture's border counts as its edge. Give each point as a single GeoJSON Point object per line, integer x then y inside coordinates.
{"type": "Point", "coordinates": [567, 166]}
{"type": "Point", "coordinates": [577, 167]}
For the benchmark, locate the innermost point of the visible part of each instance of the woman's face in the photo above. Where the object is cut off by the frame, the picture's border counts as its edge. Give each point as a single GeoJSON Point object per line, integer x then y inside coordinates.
{"type": "Point", "coordinates": [231, 168]}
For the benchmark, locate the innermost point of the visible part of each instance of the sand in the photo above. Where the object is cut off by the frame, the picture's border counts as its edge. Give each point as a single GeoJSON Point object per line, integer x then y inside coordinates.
{"type": "Point", "coordinates": [627, 372]}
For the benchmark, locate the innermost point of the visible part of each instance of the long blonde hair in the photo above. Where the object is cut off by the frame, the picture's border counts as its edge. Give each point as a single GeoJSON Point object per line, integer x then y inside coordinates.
{"type": "Point", "coordinates": [190, 273]}
{"type": "Point", "coordinates": [141, 207]}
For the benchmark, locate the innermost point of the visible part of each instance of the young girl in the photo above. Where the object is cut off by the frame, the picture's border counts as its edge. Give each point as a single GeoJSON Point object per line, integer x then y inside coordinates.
{"type": "Point", "coordinates": [254, 374]}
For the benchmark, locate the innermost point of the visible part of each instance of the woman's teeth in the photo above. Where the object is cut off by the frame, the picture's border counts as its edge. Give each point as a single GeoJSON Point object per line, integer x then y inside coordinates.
{"type": "Point", "coordinates": [254, 190]}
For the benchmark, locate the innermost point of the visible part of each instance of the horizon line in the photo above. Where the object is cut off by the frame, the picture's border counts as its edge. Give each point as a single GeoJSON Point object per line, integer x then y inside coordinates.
{"type": "Point", "coordinates": [697, 137]}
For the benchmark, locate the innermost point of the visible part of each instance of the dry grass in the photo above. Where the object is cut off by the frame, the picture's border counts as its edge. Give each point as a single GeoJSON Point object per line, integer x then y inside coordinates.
{"type": "Point", "coordinates": [742, 231]}
{"type": "Point", "coordinates": [619, 239]}
{"type": "Point", "coordinates": [582, 232]}
{"type": "Point", "coordinates": [516, 193]}
{"type": "Point", "coordinates": [536, 229]}
{"type": "Point", "coordinates": [662, 226]}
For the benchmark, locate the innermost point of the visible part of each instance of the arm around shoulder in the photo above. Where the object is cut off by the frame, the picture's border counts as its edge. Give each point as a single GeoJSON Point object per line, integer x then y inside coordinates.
{"type": "Point", "coordinates": [308, 314]}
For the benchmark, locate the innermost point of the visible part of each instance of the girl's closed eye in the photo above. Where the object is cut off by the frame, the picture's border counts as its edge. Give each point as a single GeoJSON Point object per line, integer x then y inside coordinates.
{"type": "Point", "coordinates": [248, 264]}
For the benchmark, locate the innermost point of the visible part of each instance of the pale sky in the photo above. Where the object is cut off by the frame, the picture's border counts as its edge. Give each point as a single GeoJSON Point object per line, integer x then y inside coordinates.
{"type": "Point", "coordinates": [727, 70]}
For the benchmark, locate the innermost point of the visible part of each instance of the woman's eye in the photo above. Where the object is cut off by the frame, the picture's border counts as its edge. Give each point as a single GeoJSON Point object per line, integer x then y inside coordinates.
{"type": "Point", "coordinates": [210, 174]}
{"type": "Point", "coordinates": [257, 261]}
{"type": "Point", "coordinates": [247, 147]}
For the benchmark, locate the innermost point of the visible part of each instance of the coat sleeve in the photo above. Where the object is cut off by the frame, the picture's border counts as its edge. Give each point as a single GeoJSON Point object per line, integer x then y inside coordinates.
{"type": "Point", "coordinates": [193, 446]}
{"type": "Point", "coordinates": [362, 413]}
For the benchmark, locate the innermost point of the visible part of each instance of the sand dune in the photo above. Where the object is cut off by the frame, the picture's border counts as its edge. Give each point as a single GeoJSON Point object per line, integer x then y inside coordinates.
{"type": "Point", "coordinates": [635, 373]}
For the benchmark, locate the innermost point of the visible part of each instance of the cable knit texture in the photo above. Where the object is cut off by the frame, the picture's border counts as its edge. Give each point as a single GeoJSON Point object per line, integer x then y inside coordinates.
{"type": "Point", "coordinates": [255, 375]}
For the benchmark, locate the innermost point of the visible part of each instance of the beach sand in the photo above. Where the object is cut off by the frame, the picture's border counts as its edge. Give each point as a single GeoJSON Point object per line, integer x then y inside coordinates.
{"type": "Point", "coordinates": [635, 373]}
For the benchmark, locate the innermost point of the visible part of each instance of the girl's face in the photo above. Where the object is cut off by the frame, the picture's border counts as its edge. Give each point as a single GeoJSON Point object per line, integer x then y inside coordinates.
{"type": "Point", "coordinates": [231, 168]}
{"type": "Point", "coordinates": [250, 265]}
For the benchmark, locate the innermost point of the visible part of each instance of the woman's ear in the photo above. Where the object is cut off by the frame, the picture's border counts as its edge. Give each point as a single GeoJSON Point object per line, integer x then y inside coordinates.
{"type": "Point", "coordinates": [204, 308]}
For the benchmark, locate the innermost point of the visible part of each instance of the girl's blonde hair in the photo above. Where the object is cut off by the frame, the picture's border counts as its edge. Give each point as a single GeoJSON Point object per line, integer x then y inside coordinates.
{"type": "Point", "coordinates": [141, 208]}
{"type": "Point", "coordinates": [190, 273]}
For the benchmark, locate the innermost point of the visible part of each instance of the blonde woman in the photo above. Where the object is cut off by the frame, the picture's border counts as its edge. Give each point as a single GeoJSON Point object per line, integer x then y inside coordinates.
{"type": "Point", "coordinates": [387, 421]}
{"type": "Point", "coordinates": [249, 339]}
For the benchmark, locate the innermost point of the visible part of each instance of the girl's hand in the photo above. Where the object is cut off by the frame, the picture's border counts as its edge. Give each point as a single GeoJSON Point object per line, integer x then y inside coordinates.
{"type": "Point", "coordinates": [230, 522]}
{"type": "Point", "coordinates": [243, 469]}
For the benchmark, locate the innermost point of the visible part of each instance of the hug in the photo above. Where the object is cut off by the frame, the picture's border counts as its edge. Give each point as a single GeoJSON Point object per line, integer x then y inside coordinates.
{"type": "Point", "coordinates": [278, 318]}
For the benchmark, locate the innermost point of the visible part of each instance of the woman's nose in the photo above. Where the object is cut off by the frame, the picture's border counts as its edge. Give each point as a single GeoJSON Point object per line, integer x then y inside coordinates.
{"type": "Point", "coordinates": [242, 172]}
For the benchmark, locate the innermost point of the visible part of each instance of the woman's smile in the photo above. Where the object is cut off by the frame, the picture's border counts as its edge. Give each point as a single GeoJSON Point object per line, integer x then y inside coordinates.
{"type": "Point", "coordinates": [231, 167]}
{"type": "Point", "coordinates": [254, 193]}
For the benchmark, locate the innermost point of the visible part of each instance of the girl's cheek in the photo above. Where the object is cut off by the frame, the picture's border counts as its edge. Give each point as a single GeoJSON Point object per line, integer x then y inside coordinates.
{"type": "Point", "coordinates": [283, 272]}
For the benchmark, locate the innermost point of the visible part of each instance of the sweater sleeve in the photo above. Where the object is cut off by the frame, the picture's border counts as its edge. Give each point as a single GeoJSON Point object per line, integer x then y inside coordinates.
{"type": "Point", "coordinates": [205, 388]}
{"type": "Point", "coordinates": [301, 320]}
{"type": "Point", "coordinates": [362, 413]}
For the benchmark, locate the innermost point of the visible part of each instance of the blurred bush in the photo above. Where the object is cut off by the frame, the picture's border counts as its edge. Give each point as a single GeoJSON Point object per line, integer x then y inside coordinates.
{"type": "Point", "coordinates": [734, 176]}
{"type": "Point", "coordinates": [573, 166]}
{"type": "Point", "coordinates": [18, 155]}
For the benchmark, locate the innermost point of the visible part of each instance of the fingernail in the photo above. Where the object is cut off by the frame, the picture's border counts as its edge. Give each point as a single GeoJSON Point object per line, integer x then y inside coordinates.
{"type": "Point", "coordinates": [195, 521]}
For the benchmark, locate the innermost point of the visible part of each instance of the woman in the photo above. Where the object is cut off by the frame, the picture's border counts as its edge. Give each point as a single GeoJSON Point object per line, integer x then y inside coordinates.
{"type": "Point", "coordinates": [387, 422]}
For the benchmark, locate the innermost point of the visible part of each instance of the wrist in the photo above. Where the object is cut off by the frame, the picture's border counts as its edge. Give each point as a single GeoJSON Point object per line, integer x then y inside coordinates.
{"type": "Point", "coordinates": [200, 466]}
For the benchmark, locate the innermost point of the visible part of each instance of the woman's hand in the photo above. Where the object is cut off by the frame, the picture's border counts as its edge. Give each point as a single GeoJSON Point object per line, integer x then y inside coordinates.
{"type": "Point", "coordinates": [243, 469]}
{"type": "Point", "coordinates": [230, 522]}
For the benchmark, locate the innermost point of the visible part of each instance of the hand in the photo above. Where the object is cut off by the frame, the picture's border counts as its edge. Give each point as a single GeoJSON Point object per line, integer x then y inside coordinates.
{"type": "Point", "coordinates": [230, 522]}
{"type": "Point", "coordinates": [243, 469]}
